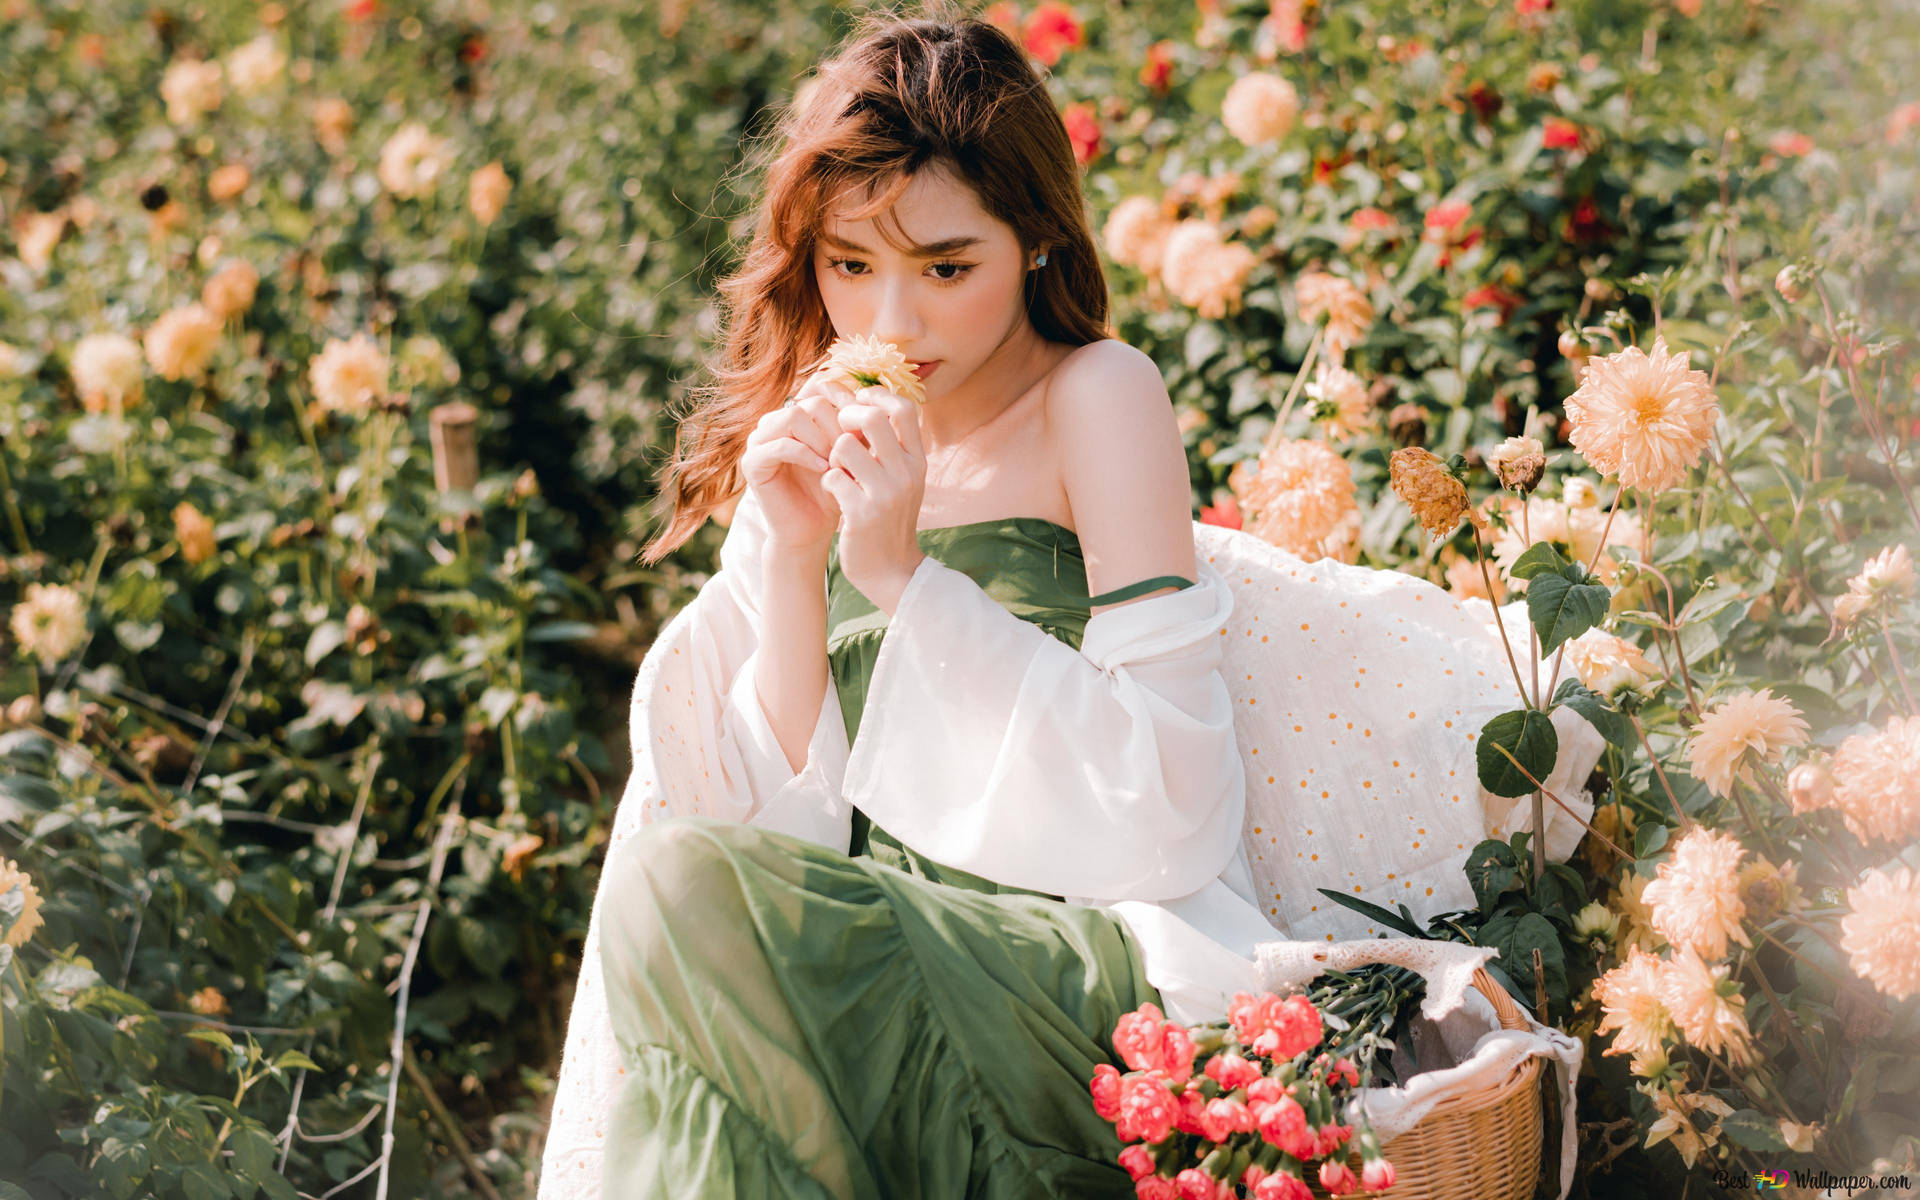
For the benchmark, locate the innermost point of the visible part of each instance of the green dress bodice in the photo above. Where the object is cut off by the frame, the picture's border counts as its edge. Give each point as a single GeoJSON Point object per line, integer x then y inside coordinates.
{"type": "Point", "coordinates": [1033, 567]}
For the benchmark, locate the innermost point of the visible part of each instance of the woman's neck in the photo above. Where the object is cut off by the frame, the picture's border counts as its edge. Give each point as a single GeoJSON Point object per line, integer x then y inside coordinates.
{"type": "Point", "coordinates": [1009, 373]}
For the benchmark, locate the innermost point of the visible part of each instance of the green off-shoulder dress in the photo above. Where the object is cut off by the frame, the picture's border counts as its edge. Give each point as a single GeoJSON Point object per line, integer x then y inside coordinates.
{"type": "Point", "coordinates": [800, 1023]}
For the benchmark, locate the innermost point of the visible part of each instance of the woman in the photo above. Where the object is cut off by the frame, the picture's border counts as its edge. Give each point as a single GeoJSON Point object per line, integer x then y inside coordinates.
{"type": "Point", "coordinates": [975, 792]}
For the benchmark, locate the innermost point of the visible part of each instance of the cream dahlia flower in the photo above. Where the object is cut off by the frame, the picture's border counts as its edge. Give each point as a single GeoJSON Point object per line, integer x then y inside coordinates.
{"type": "Point", "coordinates": [1420, 478]}
{"type": "Point", "coordinates": [1136, 233]}
{"type": "Point", "coordinates": [1607, 663]}
{"type": "Point", "coordinates": [107, 368]}
{"type": "Point", "coordinates": [1341, 402]}
{"type": "Point", "coordinates": [413, 160]}
{"type": "Point", "coordinates": [1464, 578]}
{"type": "Point", "coordinates": [1886, 578]}
{"type": "Point", "coordinates": [36, 234]}
{"type": "Point", "coordinates": [1749, 729]}
{"type": "Point", "coordinates": [1259, 107]}
{"type": "Point", "coordinates": [191, 89]}
{"type": "Point", "coordinates": [1881, 935]}
{"type": "Point", "coordinates": [487, 192]}
{"type": "Point", "coordinates": [1644, 418]}
{"type": "Point", "coordinates": [1695, 895]}
{"type": "Point", "coordinates": [1518, 463]}
{"type": "Point", "coordinates": [1877, 782]}
{"type": "Point", "coordinates": [1299, 496]}
{"type": "Point", "coordinates": [1203, 270]}
{"type": "Point", "coordinates": [867, 361]}
{"type": "Point", "coordinates": [12, 878]}
{"type": "Point", "coordinates": [1348, 312]}
{"type": "Point", "coordinates": [181, 343]}
{"type": "Point", "coordinates": [1706, 1005]}
{"type": "Point", "coordinates": [231, 290]}
{"type": "Point", "coordinates": [1630, 1005]}
{"type": "Point", "coordinates": [1631, 900]}
{"type": "Point", "coordinates": [255, 65]}
{"type": "Point", "coordinates": [349, 375]}
{"type": "Point", "coordinates": [50, 622]}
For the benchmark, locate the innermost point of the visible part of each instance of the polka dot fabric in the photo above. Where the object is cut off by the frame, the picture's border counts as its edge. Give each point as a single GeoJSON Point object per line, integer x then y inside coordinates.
{"type": "Point", "coordinates": [1358, 695]}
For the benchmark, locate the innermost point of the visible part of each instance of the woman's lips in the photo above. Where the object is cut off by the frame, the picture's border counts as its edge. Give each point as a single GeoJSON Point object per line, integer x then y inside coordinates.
{"type": "Point", "coordinates": [926, 368]}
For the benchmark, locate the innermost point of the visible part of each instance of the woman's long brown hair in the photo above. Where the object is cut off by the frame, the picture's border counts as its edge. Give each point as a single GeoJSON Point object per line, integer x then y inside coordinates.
{"type": "Point", "coordinates": [937, 88]}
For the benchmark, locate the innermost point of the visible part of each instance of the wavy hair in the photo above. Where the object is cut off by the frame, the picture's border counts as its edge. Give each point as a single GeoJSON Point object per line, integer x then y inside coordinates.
{"type": "Point", "coordinates": [936, 89]}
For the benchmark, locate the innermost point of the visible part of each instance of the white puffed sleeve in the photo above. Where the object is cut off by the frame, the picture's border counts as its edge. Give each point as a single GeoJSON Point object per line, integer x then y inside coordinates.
{"type": "Point", "coordinates": [1104, 773]}
{"type": "Point", "coordinates": [755, 782]}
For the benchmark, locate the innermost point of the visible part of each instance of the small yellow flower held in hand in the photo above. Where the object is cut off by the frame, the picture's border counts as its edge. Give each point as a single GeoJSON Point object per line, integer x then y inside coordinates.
{"type": "Point", "coordinates": [50, 622]}
{"type": "Point", "coordinates": [867, 361]}
{"type": "Point", "coordinates": [1437, 498]}
{"type": "Point", "coordinates": [13, 879]}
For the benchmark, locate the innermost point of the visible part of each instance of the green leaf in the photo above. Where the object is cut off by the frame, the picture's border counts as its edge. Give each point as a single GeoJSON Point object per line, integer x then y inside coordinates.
{"type": "Point", "coordinates": [1612, 724]}
{"type": "Point", "coordinates": [201, 1182]}
{"type": "Point", "coordinates": [293, 1058]}
{"type": "Point", "coordinates": [1649, 838]}
{"type": "Point", "coordinates": [1528, 735]}
{"type": "Point", "coordinates": [1754, 1130]}
{"type": "Point", "coordinates": [253, 1152]}
{"type": "Point", "coordinates": [1367, 908]}
{"type": "Point", "coordinates": [1516, 937]}
{"type": "Point", "coordinates": [1492, 869]}
{"type": "Point", "coordinates": [213, 1036]}
{"type": "Point", "coordinates": [1539, 557]}
{"type": "Point", "coordinates": [1562, 609]}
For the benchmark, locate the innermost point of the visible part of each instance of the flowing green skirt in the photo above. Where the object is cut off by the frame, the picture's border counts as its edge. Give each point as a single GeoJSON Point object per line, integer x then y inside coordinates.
{"type": "Point", "coordinates": [797, 1023]}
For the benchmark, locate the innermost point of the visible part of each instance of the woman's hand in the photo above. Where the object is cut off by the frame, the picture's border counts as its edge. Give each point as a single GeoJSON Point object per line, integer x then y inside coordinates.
{"type": "Point", "coordinates": [785, 457]}
{"type": "Point", "coordinates": [878, 475]}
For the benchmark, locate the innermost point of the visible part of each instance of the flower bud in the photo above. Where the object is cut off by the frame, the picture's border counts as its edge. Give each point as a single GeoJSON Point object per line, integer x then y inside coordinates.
{"type": "Point", "coordinates": [1810, 787]}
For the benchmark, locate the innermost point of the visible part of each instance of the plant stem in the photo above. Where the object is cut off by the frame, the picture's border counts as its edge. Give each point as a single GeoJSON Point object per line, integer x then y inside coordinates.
{"type": "Point", "coordinates": [1686, 822]}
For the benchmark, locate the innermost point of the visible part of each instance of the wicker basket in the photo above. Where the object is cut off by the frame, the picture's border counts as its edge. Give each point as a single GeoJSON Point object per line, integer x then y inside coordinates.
{"type": "Point", "coordinates": [1481, 1145]}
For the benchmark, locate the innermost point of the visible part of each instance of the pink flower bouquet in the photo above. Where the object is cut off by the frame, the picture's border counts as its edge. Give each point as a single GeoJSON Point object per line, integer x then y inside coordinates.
{"type": "Point", "coordinates": [1242, 1107]}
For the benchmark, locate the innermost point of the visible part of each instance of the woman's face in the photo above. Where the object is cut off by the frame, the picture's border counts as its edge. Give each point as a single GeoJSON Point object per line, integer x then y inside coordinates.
{"type": "Point", "coordinates": [951, 294]}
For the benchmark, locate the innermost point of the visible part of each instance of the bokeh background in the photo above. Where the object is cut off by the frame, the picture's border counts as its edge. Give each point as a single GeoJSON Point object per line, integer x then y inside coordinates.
{"type": "Point", "coordinates": [341, 344]}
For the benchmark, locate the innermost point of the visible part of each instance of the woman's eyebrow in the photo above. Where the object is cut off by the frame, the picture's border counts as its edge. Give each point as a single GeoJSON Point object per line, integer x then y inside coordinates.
{"type": "Point", "coordinates": [930, 250]}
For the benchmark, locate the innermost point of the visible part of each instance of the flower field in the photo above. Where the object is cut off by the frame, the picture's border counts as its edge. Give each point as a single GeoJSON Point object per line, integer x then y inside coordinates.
{"type": "Point", "coordinates": [340, 344]}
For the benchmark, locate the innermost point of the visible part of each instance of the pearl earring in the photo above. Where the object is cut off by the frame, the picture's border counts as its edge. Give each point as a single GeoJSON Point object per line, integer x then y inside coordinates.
{"type": "Point", "coordinates": [1041, 261]}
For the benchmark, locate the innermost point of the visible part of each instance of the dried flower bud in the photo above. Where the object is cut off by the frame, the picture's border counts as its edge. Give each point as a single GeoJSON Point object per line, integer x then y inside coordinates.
{"type": "Point", "coordinates": [1519, 462]}
{"type": "Point", "coordinates": [1408, 424]}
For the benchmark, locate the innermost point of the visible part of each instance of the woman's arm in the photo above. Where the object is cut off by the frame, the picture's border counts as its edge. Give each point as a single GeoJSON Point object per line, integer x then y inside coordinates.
{"type": "Point", "coordinates": [791, 666]}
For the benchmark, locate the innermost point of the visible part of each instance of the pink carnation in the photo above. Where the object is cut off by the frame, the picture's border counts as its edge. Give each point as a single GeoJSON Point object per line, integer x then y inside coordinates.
{"type": "Point", "coordinates": [1155, 1187]}
{"type": "Point", "coordinates": [1277, 1028]}
{"type": "Point", "coordinates": [1231, 1071]}
{"type": "Point", "coordinates": [1195, 1184]}
{"type": "Point", "coordinates": [1147, 1041]}
{"type": "Point", "coordinates": [1337, 1177]}
{"type": "Point", "coordinates": [1284, 1124]}
{"type": "Point", "coordinates": [1282, 1186]}
{"type": "Point", "coordinates": [1266, 1090]}
{"type": "Point", "coordinates": [1223, 1117]}
{"type": "Point", "coordinates": [1138, 1161]}
{"type": "Point", "coordinates": [1251, 1177]}
{"type": "Point", "coordinates": [1377, 1176]}
{"type": "Point", "coordinates": [1106, 1091]}
{"type": "Point", "coordinates": [1147, 1108]}
{"type": "Point", "coordinates": [1193, 1107]}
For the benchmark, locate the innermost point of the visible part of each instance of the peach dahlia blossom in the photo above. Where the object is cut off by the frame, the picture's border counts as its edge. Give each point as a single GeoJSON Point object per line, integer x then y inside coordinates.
{"type": "Point", "coordinates": [1259, 107]}
{"type": "Point", "coordinates": [1645, 418]}
{"type": "Point", "coordinates": [1348, 312]}
{"type": "Point", "coordinates": [1695, 894]}
{"type": "Point", "coordinates": [1606, 662]}
{"type": "Point", "coordinates": [1203, 270]}
{"type": "Point", "coordinates": [107, 367]}
{"type": "Point", "coordinates": [1341, 401]}
{"type": "Point", "coordinates": [1750, 728]}
{"type": "Point", "coordinates": [12, 878]}
{"type": "Point", "coordinates": [1706, 1005]}
{"type": "Point", "coordinates": [1881, 933]}
{"type": "Point", "coordinates": [412, 161]}
{"type": "Point", "coordinates": [182, 341]}
{"type": "Point", "coordinates": [1630, 1005]}
{"type": "Point", "coordinates": [1876, 782]}
{"type": "Point", "coordinates": [1136, 233]}
{"type": "Point", "coordinates": [1299, 496]}
{"type": "Point", "coordinates": [348, 375]}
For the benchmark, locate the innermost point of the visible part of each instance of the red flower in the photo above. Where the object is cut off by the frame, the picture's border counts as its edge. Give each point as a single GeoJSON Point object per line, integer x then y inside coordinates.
{"type": "Point", "coordinates": [1324, 168]}
{"type": "Point", "coordinates": [1147, 1041]}
{"type": "Point", "coordinates": [473, 48]}
{"type": "Point", "coordinates": [1377, 1176]}
{"type": "Point", "coordinates": [1370, 218]}
{"type": "Point", "coordinates": [1138, 1161]}
{"type": "Point", "coordinates": [1157, 72]}
{"type": "Point", "coordinates": [1527, 8]}
{"type": "Point", "coordinates": [1083, 130]}
{"type": "Point", "coordinates": [1486, 102]}
{"type": "Point", "coordinates": [1282, 1186]}
{"type": "Point", "coordinates": [359, 10]}
{"type": "Point", "coordinates": [1155, 1187]}
{"type": "Point", "coordinates": [1491, 295]}
{"type": "Point", "coordinates": [1227, 515]}
{"type": "Point", "coordinates": [1289, 25]}
{"type": "Point", "coordinates": [1443, 219]}
{"type": "Point", "coordinates": [1790, 145]}
{"type": "Point", "coordinates": [1147, 1108]}
{"type": "Point", "coordinates": [1050, 30]}
{"type": "Point", "coordinates": [1584, 224]}
{"type": "Point", "coordinates": [1560, 134]}
{"type": "Point", "coordinates": [1337, 1177]}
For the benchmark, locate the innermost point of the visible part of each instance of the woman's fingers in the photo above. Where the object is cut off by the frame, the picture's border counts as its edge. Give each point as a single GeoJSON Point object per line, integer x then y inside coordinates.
{"type": "Point", "coordinates": [872, 423]}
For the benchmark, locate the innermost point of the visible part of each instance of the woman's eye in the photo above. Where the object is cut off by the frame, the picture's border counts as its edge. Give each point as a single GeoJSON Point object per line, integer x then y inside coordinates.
{"type": "Point", "coordinates": [959, 269]}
